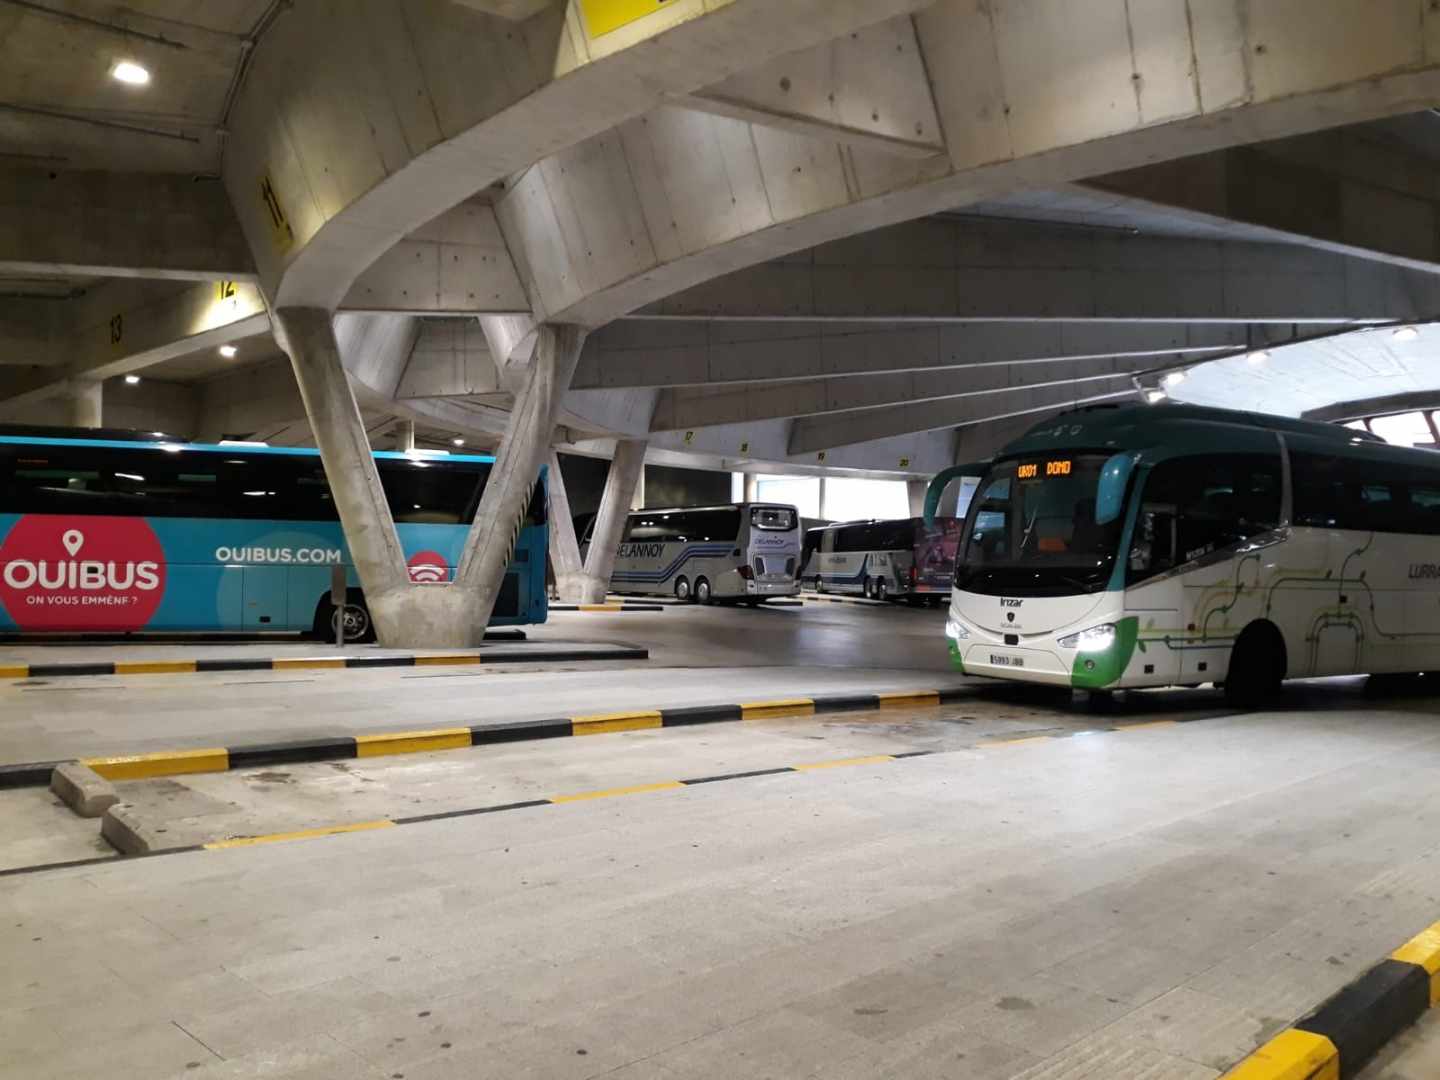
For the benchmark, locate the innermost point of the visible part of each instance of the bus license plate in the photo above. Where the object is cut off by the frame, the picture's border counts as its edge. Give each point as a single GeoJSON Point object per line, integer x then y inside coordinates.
{"type": "Point", "coordinates": [1007, 661]}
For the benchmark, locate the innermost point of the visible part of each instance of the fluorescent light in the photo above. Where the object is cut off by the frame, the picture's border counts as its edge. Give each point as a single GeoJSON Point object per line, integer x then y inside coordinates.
{"type": "Point", "coordinates": [131, 380]}
{"type": "Point", "coordinates": [1258, 357]}
{"type": "Point", "coordinates": [130, 73]}
{"type": "Point", "coordinates": [241, 442]}
{"type": "Point", "coordinates": [229, 352]}
{"type": "Point", "coordinates": [158, 434]}
{"type": "Point", "coordinates": [1173, 379]}
{"type": "Point", "coordinates": [457, 442]}
{"type": "Point", "coordinates": [1154, 397]}
{"type": "Point", "coordinates": [131, 476]}
{"type": "Point", "coordinates": [1405, 333]}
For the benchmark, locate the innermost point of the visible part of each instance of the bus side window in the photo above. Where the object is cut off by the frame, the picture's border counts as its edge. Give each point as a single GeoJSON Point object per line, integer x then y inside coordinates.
{"type": "Point", "coordinates": [1424, 517]}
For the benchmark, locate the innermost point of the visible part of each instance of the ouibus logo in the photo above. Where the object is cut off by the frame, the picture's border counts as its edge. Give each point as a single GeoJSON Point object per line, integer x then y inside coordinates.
{"type": "Point", "coordinates": [74, 573]}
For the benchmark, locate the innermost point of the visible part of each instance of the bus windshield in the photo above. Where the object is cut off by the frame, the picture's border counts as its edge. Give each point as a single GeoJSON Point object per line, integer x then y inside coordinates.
{"type": "Point", "coordinates": [1031, 529]}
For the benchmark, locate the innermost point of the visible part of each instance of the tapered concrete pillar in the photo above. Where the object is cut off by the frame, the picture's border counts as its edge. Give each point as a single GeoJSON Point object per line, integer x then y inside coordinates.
{"type": "Point", "coordinates": [526, 445]}
{"type": "Point", "coordinates": [308, 336]}
{"type": "Point", "coordinates": [752, 487]}
{"type": "Point", "coordinates": [620, 483]}
{"type": "Point", "coordinates": [405, 436]}
{"type": "Point", "coordinates": [915, 493]}
{"type": "Point", "coordinates": [83, 400]}
{"type": "Point", "coordinates": [564, 547]}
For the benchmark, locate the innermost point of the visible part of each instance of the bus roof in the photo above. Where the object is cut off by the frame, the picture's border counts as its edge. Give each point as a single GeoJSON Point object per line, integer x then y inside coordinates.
{"type": "Point", "coordinates": [1197, 428]}
{"type": "Point", "coordinates": [117, 438]}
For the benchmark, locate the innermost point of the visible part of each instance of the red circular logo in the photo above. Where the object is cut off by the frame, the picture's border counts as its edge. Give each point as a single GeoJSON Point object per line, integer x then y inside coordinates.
{"type": "Point", "coordinates": [428, 568]}
{"type": "Point", "coordinates": [81, 573]}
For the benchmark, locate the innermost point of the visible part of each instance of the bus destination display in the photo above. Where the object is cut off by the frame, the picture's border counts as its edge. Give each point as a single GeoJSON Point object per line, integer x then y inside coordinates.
{"type": "Point", "coordinates": [1034, 470]}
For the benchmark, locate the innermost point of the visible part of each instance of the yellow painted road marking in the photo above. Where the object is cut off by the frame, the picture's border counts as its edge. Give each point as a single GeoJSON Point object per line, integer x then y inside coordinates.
{"type": "Point", "coordinates": [303, 834]}
{"type": "Point", "coordinates": [1291, 1055]}
{"type": "Point", "coordinates": [769, 710]}
{"type": "Point", "coordinates": [1014, 742]}
{"type": "Point", "coordinates": [600, 607]}
{"type": "Point", "coordinates": [14, 671]}
{"type": "Point", "coordinates": [874, 759]}
{"type": "Point", "coordinates": [411, 742]}
{"type": "Point", "coordinates": [154, 667]}
{"type": "Point", "coordinates": [1423, 950]}
{"type": "Point", "coordinates": [165, 763]}
{"type": "Point", "coordinates": [602, 723]}
{"type": "Point", "coordinates": [308, 662]}
{"type": "Point", "coordinates": [441, 661]}
{"type": "Point", "coordinates": [908, 698]}
{"type": "Point", "coordinates": [1145, 724]}
{"type": "Point", "coordinates": [638, 789]}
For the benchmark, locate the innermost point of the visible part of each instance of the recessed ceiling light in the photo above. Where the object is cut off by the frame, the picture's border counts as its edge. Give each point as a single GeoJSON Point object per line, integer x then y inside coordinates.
{"type": "Point", "coordinates": [457, 442]}
{"type": "Point", "coordinates": [1258, 357]}
{"type": "Point", "coordinates": [1406, 333]}
{"type": "Point", "coordinates": [131, 380]}
{"type": "Point", "coordinates": [130, 73]}
{"type": "Point", "coordinates": [229, 352]}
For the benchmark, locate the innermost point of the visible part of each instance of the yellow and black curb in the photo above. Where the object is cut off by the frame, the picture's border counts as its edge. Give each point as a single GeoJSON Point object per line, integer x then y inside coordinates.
{"type": "Point", "coordinates": [1339, 1038]}
{"type": "Point", "coordinates": [535, 655]}
{"type": "Point", "coordinates": [339, 748]}
{"type": "Point", "coordinates": [609, 606]}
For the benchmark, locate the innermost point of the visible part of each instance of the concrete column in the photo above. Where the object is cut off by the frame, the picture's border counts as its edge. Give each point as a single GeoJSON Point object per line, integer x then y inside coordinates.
{"type": "Point", "coordinates": [405, 436]}
{"type": "Point", "coordinates": [752, 486]}
{"type": "Point", "coordinates": [83, 399]}
{"type": "Point", "coordinates": [528, 438]}
{"type": "Point", "coordinates": [915, 492]}
{"type": "Point", "coordinates": [620, 484]}
{"type": "Point", "coordinates": [308, 336]}
{"type": "Point", "coordinates": [820, 500]}
{"type": "Point", "coordinates": [637, 497]}
{"type": "Point", "coordinates": [564, 547]}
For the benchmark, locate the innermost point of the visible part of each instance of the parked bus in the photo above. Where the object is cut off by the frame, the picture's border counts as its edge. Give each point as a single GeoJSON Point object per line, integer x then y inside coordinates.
{"type": "Point", "coordinates": [1161, 545]}
{"type": "Point", "coordinates": [743, 551]}
{"type": "Point", "coordinates": [904, 559]}
{"type": "Point", "coordinates": [117, 532]}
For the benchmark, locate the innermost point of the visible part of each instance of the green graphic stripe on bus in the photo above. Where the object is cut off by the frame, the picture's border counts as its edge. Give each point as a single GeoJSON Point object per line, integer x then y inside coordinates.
{"type": "Point", "coordinates": [1097, 670]}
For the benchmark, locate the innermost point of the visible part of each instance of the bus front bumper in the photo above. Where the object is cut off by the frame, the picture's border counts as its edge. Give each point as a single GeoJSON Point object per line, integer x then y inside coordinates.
{"type": "Point", "coordinates": [1012, 662]}
{"type": "Point", "coordinates": [787, 587]}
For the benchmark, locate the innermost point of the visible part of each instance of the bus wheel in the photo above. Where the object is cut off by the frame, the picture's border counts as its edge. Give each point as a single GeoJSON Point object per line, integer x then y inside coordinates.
{"type": "Point", "coordinates": [682, 590]}
{"type": "Point", "coordinates": [354, 618]}
{"type": "Point", "coordinates": [880, 591]}
{"type": "Point", "coordinates": [1257, 665]}
{"type": "Point", "coordinates": [702, 591]}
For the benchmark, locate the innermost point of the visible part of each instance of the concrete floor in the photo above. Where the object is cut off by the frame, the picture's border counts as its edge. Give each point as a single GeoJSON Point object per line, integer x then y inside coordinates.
{"type": "Point", "coordinates": [698, 656]}
{"type": "Point", "coordinates": [1415, 1055]}
{"type": "Point", "coordinates": [1148, 902]}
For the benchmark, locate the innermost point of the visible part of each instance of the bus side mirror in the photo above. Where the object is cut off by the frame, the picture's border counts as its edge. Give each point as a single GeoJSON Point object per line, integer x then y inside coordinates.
{"type": "Point", "coordinates": [937, 487]}
{"type": "Point", "coordinates": [1110, 496]}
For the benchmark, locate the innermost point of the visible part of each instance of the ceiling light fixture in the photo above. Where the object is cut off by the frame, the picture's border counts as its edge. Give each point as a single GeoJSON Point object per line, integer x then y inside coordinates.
{"type": "Point", "coordinates": [457, 442]}
{"type": "Point", "coordinates": [229, 352]}
{"type": "Point", "coordinates": [1173, 379]}
{"type": "Point", "coordinates": [131, 380]}
{"type": "Point", "coordinates": [1405, 333]}
{"type": "Point", "coordinates": [1154, 397]}
{"type": "Point", "coordinates": [130, 73]}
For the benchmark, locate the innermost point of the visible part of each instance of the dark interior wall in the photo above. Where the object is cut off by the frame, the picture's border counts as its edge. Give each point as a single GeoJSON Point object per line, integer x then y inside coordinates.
{"type": "Point", "coordinates": [667, 486]}
{"type": "Point", "coordinates": [584, 482]}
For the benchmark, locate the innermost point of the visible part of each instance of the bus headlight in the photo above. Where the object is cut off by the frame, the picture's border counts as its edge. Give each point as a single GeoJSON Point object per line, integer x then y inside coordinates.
{"type": "Point", "coordinates": [1096, 639]}
{"type": "Point", "coordinates": [955, 631]}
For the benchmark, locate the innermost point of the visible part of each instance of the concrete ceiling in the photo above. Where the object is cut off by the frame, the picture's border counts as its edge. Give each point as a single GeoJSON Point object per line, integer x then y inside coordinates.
{"type": "Point", "coordinates": [60, 106]}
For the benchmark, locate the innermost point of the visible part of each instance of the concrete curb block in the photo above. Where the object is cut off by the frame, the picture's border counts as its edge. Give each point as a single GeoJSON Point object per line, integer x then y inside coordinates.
{"type": "Point", "coordinates": [127, 834]}
{"type": "Point", "coordinates": [190, 667]}
{"type": "Point", "coordinates": [379, 743]}
{"type": "Point", "coordinates": [83, 789]}
{"type": "Point", "coordinates": [609, 607]}
{"type": "Point", "coordinates": [1337, 1040]}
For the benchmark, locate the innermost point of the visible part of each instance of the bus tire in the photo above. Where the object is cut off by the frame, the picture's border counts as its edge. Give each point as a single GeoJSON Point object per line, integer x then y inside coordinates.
{"type": "Point", "coordinates": [360, 628]}
{"type": "Point", "coordinates": [682, 590]}
{"type": "Point", "coordinates": [702, 591]}
{"type": "Point", "coordinates": [1257, 667]}
{"type": "Point", "coordinates": [879, 590]}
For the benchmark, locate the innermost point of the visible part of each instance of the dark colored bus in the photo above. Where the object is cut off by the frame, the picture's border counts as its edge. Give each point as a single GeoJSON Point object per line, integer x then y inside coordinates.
{"type": "Point", "coordinates": [897, 559]}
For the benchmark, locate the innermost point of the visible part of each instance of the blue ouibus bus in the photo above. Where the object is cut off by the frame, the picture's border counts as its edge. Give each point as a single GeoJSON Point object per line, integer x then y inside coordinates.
{"type": "Point", "coordinates": [120, 532]}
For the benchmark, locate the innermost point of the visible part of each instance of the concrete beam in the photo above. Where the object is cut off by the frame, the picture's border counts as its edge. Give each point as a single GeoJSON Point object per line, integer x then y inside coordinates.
{"type": "Point", "coordinates": [1355, 190]}
{"type": "Point", "coordinates": [98, 224]}
{"type": "Point", "coordinates": [818, 433]}
{"type": "Point", "coordinates": [703, 407]}
{"type": "Point", "coordinates": [967, 269]}
{"type": "Point", "coordinates": [455, 264]}
{"type": "Point", "coordinates": [866, 89]}
{"type": "Point", "coordinates": [646, 353]}
{"type": "Point", "coordinates": [129, 325]}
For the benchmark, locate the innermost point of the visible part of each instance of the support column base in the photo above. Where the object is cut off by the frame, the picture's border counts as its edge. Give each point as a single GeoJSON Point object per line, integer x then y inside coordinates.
{"type": "Point", "coordinates": [593, 590]}
{"type": "Point", "coordinates": [429, 617]}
